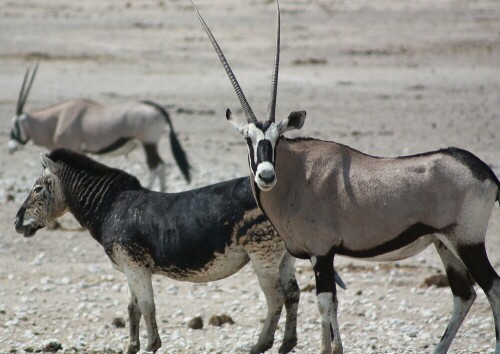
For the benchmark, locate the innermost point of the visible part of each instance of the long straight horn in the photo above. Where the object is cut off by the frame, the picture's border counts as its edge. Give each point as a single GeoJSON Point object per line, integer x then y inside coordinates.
{"type": "Point", "coordinates": [19, 106]}
{"type": "Point", "coordinates": [239, 92]}
{"type": "Point", "coordinates": [271, 110]}
{"type": "Point", "coordinates": [25, 98]}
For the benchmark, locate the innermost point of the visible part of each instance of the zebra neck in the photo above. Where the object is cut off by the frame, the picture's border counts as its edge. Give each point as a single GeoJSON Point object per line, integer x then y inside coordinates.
{"type": "Point", "coordinates": [90, 197]}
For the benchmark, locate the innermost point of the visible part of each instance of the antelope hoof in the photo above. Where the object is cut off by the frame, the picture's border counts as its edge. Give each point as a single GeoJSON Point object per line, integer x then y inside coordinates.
{"type": "Point", "coordinates": [288, 346]}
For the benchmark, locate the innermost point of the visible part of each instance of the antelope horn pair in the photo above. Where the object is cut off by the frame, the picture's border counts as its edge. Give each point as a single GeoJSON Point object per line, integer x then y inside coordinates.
{"type": "Point", "coordinates": [271, 111]}
{"type": "Point", "coordinates": [23, 94]}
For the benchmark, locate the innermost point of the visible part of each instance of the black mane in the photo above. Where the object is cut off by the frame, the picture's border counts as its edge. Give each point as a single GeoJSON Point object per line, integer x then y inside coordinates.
{"type": "Point", "coordinates": [81, 162]}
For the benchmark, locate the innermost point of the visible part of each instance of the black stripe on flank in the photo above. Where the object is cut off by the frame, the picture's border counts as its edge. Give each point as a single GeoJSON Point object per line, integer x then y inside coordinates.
{"type": "Point", "coordinates": [405, 238]}
{"type": "Point", "coordinates": [114, 146]}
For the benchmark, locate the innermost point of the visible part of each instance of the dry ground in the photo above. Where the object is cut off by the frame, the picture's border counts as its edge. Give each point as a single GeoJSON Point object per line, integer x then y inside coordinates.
{"type": "Point", "coordinates": [386, 77]}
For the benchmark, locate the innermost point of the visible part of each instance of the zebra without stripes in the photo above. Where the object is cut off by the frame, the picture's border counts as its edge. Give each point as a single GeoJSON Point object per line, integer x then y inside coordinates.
{"type": "Point", "coordinates": [90, 127]}
{"type": "Point", "coordinates": [200, 235]}
{"type": "Point", "coordinates": [325, 199]}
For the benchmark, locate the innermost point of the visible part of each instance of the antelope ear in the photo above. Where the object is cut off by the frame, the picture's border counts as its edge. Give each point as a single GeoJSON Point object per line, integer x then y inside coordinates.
{"type": "Point", "coordinates": [48, 163]}
{"type": "Point", "coordinates": [294, 121]}
{"type": "Point", "coordinates": [241, 128]}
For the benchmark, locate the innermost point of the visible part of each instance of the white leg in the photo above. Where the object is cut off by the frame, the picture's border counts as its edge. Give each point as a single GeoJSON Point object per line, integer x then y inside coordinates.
{"type": "Point", "coordinates": [139, 280]}
{"type": "Point", "coordinates": [275, 298]}
{"type": "Point", "coordinates": [292, 297]}
{"type": "Point", "coordinates": [134, 316]}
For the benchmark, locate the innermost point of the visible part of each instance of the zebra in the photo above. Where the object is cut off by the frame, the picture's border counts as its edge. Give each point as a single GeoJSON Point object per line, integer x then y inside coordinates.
{"type": "Point", "coordinates": [200, 235]}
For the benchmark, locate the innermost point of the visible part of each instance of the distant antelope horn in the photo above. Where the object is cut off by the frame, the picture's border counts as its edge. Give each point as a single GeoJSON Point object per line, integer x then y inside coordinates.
{"type": "Point", "coordinates": [271, 111]}
{"type": "Point", "coordinates": [25, 95]}
{"type": "Point", "coordinates": [19, 106]}
{"type": "Point", "coordinates": [239, 92]}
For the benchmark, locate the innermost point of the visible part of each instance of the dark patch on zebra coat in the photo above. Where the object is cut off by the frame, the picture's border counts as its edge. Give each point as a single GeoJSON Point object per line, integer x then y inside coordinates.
{"type": "Point", "coordinates": [169, 228]}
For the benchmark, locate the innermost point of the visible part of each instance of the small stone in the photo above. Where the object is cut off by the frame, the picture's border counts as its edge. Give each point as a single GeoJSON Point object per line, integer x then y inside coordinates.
{"type": "Point", "coordinates": [359, 292]}
{"type": "Point", "coordinates": [218, 321]}
{"type": "Point", "coordinates": [438, 280]}
{"type": "Point", "coordinates": [195, 323]}
{"type": "Point", "coordinates": [51, 346]}
{"type": "Point", "coordinates": [118, 322]}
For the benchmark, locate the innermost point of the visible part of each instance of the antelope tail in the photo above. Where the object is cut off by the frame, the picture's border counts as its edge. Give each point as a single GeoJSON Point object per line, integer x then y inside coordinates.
{"type": "Point", "coordinates": [177, 150]}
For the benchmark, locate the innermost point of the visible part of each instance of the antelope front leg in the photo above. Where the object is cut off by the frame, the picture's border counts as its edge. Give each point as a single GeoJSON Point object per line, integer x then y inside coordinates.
{"type": "Point", "coordinates": [139, 280]}
{"type": "Point", "coordinates": [326, 294]}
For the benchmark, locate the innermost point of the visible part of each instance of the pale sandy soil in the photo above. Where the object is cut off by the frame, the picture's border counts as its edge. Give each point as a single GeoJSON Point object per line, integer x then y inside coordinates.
{"type": "Point", "coordinates": [390, 78]}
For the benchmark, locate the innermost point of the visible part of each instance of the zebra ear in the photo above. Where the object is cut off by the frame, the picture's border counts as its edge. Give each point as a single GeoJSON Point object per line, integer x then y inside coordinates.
{"type": "Point", "coordinates": [48, 163]}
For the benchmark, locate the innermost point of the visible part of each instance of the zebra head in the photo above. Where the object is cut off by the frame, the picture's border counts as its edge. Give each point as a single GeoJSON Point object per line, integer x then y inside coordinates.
{"type": "Point", "coordinates": [44, 203]}
{"type": "Point", "coordinates": [261, 136]}
{"type": "Point", "coordinates": [18, 135]}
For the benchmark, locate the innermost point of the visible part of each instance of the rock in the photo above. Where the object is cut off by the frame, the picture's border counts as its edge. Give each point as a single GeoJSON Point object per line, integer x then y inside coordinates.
{"type": "Point", "coordinates": [195, 323]}
{"type": "Point", "coordinates": [118, 322]}
{"type": "Point", "coordinates": [218, 321]}
{"type": "Point", "coordinates": [438, 280]}
{"type": "Point", "coordinates": [51, 346]}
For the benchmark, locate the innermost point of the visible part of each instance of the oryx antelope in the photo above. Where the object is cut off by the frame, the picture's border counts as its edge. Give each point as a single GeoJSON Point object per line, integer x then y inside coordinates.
{"type": "Point", "coordinates": [200, 235]}
{"type": "Point", "coordinates": [326, 199]}
{"type": "Point", "coordinates": [90, 127]}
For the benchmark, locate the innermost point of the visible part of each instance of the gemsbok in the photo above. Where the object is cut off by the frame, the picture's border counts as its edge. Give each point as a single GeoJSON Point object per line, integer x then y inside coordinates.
{"type": "Point", "coordinates": [326, 199]}
{"type": "Point", "coordinates": [201, 235]}
{"type": "Point", "coordinates": [90, 127]}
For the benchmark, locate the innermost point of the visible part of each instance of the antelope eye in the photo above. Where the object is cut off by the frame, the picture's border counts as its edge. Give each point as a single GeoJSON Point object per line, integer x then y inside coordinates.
{"type": "Point", "coordinates": [37, 189]}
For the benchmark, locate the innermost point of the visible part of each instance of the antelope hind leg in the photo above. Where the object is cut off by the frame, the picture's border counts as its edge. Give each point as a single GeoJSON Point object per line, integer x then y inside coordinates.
{"type": "Point", "coordinates": [463, 294]}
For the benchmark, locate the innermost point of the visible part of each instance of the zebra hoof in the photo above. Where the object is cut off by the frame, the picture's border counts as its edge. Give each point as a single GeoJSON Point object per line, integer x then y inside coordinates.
{"type": "Point", "coordinates": [288, 346]}
{"type": "Point", "coordinates": [261, 348]}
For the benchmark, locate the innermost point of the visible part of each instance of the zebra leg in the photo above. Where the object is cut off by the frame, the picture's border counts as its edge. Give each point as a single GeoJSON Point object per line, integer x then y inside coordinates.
{"type": "Point", "coordinates": [139, 281]}
{"type": "Point", "coordinates": [292, 297]}
{"type": "Point", "coordinates": [270, 284]}
{"type": "Point", "coordinates": [155, 164]}
{"type": "Point", "coordinates": [326, 293]}
{"type": "Point", "coordinates": [134, 316]}
{"type": "Point", "coordinates": [463, 294]}
{"type": "Point", "coordinates": [476, 260]}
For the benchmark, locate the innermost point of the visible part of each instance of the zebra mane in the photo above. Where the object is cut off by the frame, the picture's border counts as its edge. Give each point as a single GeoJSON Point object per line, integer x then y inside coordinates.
{"type": "Point", "coordinates": [79, 162]}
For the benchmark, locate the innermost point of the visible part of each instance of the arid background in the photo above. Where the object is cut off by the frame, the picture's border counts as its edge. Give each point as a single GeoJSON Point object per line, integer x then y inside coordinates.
{"type": "Point", "coordinates": [386, 77]}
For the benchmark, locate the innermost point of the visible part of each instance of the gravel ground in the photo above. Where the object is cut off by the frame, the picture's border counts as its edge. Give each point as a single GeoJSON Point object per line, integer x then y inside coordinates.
{"type": "Point", "coordinates": [385, 77]}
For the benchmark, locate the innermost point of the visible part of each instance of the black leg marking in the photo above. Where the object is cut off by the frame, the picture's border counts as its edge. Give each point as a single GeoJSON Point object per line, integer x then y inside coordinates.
{"type": "Point", "coordinates": [153, 159]}
{"type": "Point", "coordinates": [463, 294]}
{"type": "Point", "coordinates": [476, 261]}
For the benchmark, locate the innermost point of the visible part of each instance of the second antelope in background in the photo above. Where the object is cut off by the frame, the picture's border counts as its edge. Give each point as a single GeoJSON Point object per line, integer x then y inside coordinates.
{"type": "Point", "coordinates": [90, 127]}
